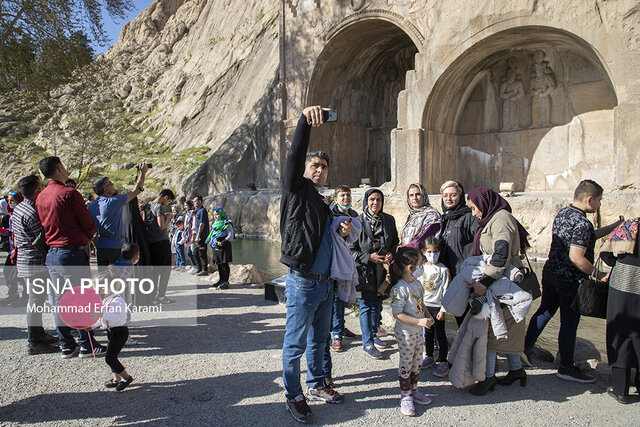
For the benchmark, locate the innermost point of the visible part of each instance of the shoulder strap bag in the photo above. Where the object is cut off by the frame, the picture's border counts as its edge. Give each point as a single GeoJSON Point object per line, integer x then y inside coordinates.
{"type": "Point", "coordinates": [530, 281]}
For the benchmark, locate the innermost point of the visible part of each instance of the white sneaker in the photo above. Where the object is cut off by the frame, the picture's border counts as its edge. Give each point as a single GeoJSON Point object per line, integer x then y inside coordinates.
{"type": "Point", "coordinates": [131, 341]}
{"type": "Point", "coordinates": [192, 270]}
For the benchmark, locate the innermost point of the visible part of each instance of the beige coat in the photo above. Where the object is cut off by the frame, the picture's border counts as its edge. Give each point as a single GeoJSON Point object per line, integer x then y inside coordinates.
{"type": "Point", "coordinates": [503, 226]}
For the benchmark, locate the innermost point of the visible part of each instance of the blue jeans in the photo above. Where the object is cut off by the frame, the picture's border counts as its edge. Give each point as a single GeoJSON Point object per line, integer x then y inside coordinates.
{"type": "Point", "coordinates": [338, 317]}
{"type": "Point", "coordinates": [556, 293]}
{"type": "Point", "coordinates": [192, 258]}
{"type": "Point", "coordinates": [71, 264]}
{"type": "Point", "coordinates": [513, 359]}
{"type": "Point", "coordinates": [180, 261]}
{"type": "Point", "coordinates": [370, 315]}
{"type": "Point", "coordinates": [307, 331]}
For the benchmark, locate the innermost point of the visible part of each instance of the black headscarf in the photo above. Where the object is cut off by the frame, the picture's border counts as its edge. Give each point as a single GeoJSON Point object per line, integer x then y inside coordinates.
{"type": "Point", "coordinates": [375, 220]}
{"type": "Point", "coordinates": [458, 210]}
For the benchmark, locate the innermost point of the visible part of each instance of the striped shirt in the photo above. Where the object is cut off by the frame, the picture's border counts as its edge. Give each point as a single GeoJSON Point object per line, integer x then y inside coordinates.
{"type": "Point", "coordinates": [26, 227]}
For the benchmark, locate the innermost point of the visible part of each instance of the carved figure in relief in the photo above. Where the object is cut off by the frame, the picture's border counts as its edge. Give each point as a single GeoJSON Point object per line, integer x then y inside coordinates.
{"type": "Point", "coordinates": [511, 93]}
{"type": "Point", "coordinates": [542, 82]}
{"type": "Point", "coordinates": [358, 5]}
{"type": "Point", "coordinates": [491, 117]}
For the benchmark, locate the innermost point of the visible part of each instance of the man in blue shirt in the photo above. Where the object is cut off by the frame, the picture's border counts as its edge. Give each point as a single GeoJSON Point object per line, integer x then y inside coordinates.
{"type": "Point", "coordinates": [107, 211]}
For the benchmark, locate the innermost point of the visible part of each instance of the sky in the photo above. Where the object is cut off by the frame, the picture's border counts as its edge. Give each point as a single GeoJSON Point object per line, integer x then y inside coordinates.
{"type": "Point", "coordinates": [112, 29]}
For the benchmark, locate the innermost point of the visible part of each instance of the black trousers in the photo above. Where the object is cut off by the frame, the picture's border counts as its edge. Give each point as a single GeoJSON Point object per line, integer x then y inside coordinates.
{"type": "Point", "coordinates": [35, 331]}
{"type": "Point", "coordinates": [224, 271]}
{"type": "Point", "coordinates": [106, 256]}
{"type": "Point", "coordinates": [201, 256]}
{"type": "Point", "coordinates": [117, 338]}
{"type": "Point", "coordinates": [438, 330]}
{"type": "Point", "coordinates": [161, 261]}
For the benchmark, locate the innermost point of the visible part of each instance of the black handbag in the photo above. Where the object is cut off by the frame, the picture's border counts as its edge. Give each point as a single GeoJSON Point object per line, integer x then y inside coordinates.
{"type": "Point", "coordinates": [592, 296]}
{"type": "Point", "coordinates": [530, 281]}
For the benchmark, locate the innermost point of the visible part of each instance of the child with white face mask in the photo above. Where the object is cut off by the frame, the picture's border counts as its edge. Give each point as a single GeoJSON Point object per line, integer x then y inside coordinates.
{"type": "Point", "coordinates": [434, 278]}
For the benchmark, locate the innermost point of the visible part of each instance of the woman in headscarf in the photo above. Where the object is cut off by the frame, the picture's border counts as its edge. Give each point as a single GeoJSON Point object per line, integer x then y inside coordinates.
{"type": "Point", "coordinates": [374, 248]}
{"type": "Point", "coordinates": [421, 216]}
{"type": "Point", "coordinates": [623, 308]}
{"type": "Point", "coordinates": [458, 229]}
{"type": "Point", "coordinates": [220, 240]}
{"type": "Point", "coordinates": [9, 270]}
{"type": "Point", "coordinates": [500, 235]}
{"type": "Point", "coordinates": [189, 245]}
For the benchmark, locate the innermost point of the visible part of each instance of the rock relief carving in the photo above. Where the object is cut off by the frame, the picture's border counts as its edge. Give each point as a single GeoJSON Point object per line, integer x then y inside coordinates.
{"type": "Point", "coordinates": [511, 92]}
{"type": "Point", "coordinates": [491, 112]}
{"type": "Point", "coordinates": [334, 25]}
{"type": "Point", "coordinates": [358, 5]}
{"type": "Point", "coordinates": [541, 83]}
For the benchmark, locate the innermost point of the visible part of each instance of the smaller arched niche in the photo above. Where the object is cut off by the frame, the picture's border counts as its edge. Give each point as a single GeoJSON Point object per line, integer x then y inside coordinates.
{"type": "Point", "coordinates": [360, 73]}
{"type": "Point", "coordinates": [538, 113]}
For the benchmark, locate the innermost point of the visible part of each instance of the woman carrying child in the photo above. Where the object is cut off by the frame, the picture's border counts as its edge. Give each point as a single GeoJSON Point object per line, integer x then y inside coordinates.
{"type": "Point", "coordinates": [434, 278]}
{"type": "Point", "coordinates": [408, 309]}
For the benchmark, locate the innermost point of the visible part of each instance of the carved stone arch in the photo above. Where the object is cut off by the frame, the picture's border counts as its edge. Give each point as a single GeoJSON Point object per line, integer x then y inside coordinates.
{"type": "Point", "coordinates": [548, 143]}
{"type": "Point", "coordinates": [360, 72]}
{"type": "Point", "coordinates": [378, 14]}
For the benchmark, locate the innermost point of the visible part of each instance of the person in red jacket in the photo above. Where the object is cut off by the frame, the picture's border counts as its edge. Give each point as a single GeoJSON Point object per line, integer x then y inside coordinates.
{"type": "Point", "coordinates": [68, 229]}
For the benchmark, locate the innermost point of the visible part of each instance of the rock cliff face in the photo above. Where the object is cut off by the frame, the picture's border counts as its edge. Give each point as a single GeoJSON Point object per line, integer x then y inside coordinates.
{"type": "Point", "coordinates": [205, 74]}
{"type": "Point", "coordinates": [190, 85]}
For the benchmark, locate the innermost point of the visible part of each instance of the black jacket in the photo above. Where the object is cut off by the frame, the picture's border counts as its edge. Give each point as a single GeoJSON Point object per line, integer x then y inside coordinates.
{"type": "Point", "coordinates": [364, 247]}
{"type": "Point", "coordinates": [303, 211]}
{"type": "Point", "coordinates": [458, 240]}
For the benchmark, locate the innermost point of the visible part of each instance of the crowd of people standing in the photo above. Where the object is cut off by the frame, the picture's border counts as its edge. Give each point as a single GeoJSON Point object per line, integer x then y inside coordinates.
{"type": "Point", "coordinates": [335, 258]}
{"type": "Point", "coordinates": [474, 245]}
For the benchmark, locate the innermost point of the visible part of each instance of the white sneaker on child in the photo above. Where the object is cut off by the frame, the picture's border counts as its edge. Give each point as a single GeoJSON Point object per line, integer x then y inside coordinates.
{"type": "Point", "coordinates": [407, 407]}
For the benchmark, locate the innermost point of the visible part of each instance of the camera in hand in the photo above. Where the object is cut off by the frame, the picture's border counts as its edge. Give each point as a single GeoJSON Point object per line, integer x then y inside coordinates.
{"type": "Point", "coordinates": [149, 166]}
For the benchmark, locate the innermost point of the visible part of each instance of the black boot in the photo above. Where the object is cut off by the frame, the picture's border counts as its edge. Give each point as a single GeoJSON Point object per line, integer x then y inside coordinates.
{"type": "Point", "coordinates": [514, 376]}
{"type": "Point", "coordinates": [483, 387]}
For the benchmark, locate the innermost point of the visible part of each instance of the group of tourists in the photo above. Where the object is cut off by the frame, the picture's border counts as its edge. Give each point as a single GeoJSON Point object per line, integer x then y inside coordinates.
{"type": "Point", "coordinates": [186, 231]}
{"type": "Point", "coordinates": [47, 231]}
{"type": "Point", "coordinates": [466, 260]}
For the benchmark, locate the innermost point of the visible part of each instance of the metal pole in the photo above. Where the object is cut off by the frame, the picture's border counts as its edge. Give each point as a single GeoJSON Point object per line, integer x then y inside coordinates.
{"type": "Point", "coordinates": [282, 74]}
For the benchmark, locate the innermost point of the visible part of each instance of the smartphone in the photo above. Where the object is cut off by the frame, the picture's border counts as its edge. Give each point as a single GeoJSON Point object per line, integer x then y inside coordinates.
{"type": "Point", "coordinates": [383, 251]}
{"type": "Point", "coordinates": [329, 116]}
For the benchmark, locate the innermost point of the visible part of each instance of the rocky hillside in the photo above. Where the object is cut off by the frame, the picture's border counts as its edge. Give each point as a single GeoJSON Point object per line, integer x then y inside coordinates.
{"type": "Point", "coordinates": [191, 86]}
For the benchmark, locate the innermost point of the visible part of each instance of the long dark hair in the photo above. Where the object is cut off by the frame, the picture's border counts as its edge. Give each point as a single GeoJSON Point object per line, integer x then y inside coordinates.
{"type": "Point", "coordinates": [405, 255]}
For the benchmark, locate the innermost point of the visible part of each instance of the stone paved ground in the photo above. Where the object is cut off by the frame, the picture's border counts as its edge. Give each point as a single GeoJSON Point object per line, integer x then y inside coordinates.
{"type": "Point", "coordinates": [226, 370]}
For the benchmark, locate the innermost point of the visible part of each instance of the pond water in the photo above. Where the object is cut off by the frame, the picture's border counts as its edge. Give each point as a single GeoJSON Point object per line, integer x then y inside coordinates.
{"type": "Point", "coordinates": [265, 255]}
{"type": "Point", "coordinates": [262, 253]}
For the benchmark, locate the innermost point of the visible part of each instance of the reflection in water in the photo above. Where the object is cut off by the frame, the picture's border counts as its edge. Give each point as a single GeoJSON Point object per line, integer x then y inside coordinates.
{"type": "Point", "coordinates": [266, 255]}
{"type": "Point", "coordinates": [263, 254]}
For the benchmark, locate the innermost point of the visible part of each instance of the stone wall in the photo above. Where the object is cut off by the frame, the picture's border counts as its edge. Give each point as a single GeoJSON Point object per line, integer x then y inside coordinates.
{"type": "Point", "coordinates": [536, 92]}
